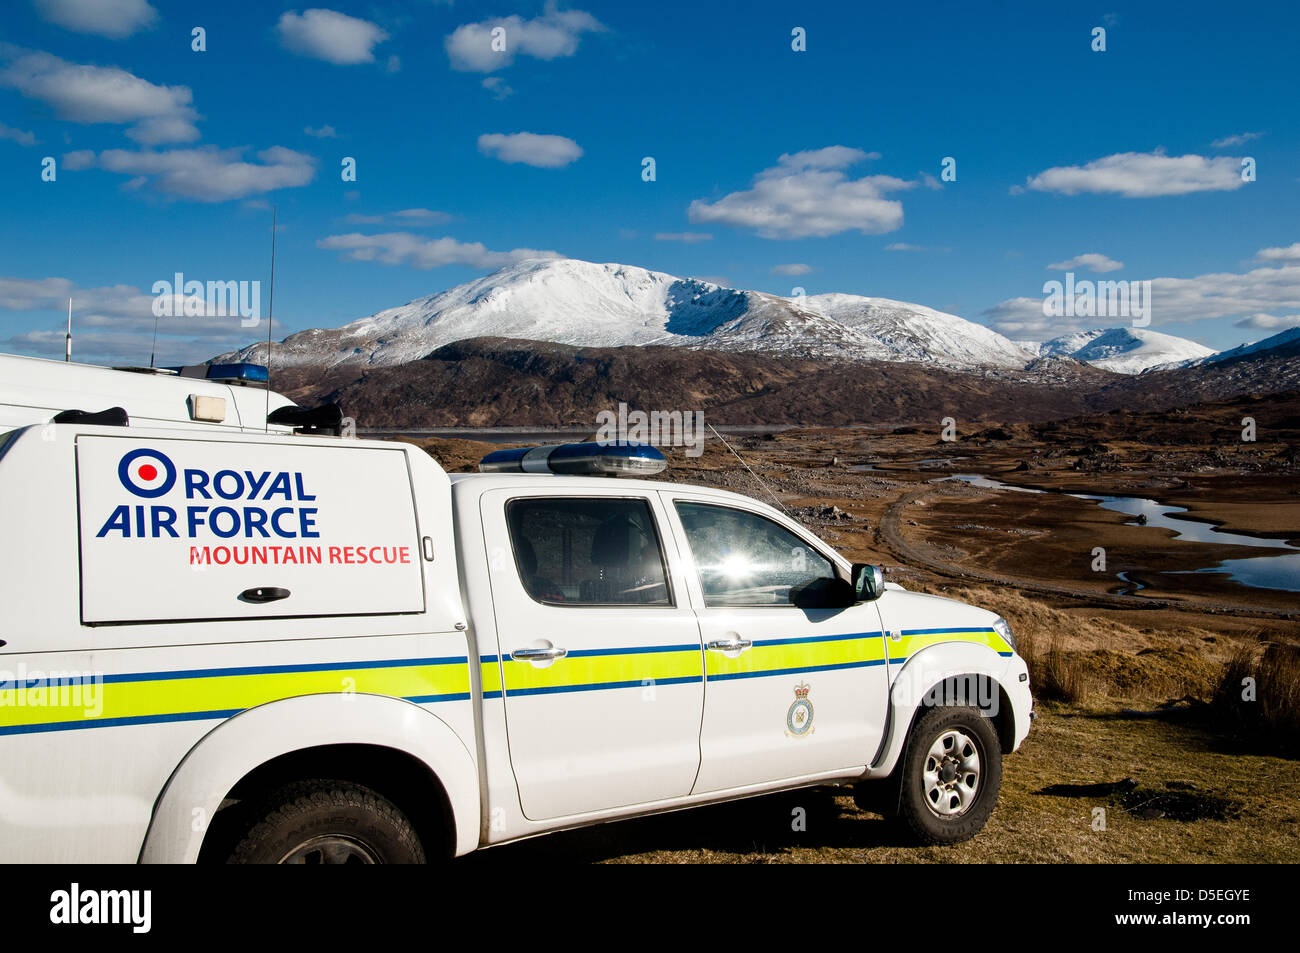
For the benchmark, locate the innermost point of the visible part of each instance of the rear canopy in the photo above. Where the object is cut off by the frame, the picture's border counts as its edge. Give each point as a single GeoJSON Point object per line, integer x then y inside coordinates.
{"type": "Point", "coordinates": [188, 530]}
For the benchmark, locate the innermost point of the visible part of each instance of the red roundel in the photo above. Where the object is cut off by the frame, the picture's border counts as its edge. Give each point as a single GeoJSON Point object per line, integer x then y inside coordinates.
{"type": "Point", "coordinates": [146, 472]}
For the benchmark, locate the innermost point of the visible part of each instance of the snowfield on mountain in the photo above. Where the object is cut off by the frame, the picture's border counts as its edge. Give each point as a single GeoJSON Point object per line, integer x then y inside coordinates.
{"type": "Point", "coordinates": [566, 301]}
{"type": "Point", "coordinates": [1122, 350]}
{"type": "Point", "coordinates": [584, 304]}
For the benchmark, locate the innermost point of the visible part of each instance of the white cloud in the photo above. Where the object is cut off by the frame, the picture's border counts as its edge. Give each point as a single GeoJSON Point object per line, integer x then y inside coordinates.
{"type": "Point", "coordinates": [689, 238]}
{"type": "Point", "coordinates": [19, 136]}
{"type": "Point", "coordinates": [1142, 175]}
{"type": "Point", "coordinates": [30, 294]}
{"type": "Point", "coordinates": [161, 129]}
{"type": "Point", "coordinates": [90, 94]}
{"type": "Point", "coordinates": [114, 324]}
{"type": "Point", "coordinates": [1091, 261]}
{"type": "Point", "coordinates": [1173, 300]}
{"type": "Point", "coordinates": [427, 216]}
{"type": "Point", "coordinates": [407, 216]}
{"type": "Point", "coordinates": [1287, 253]}
{"type": "Point", "coordinates": [1268, 322]}
{"type": "Point", "coordinates": [324, 132]}
{"type": "Point", "coordinates": [808, 194]}
{"type": "Point", "coordinates": [1240, 139]}
{"type": "Point", "coordinates": [903, 246]}
{"type": "Point", "coordinates": [206, 174]}
{"type": "Point", "coordinates": [81, 159]}
{"type": "Point", "coordinates": [544, 152]}
{"type": "Point", "coordinates": [554, 34]}
{"type": "Point", "coordinates": [114, 19]}
{"type": "Point", "coordinates": [329, 35]}
{"type": "Point", "coordinates": [498, 87]}
{"type": "Point", "coordinates": [793, 270]}
{"type": "Point", "coordinates": [404, 248]}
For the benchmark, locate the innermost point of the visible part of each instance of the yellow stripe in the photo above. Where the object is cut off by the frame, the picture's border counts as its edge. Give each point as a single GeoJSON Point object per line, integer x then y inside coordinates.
{"type": "Point", "coordinates": [490, 673]}
{"type": "Point", "coordinates": [600, 669]}
{"type": "Point", "coordinates": [220, 693]}
{"type": "Point", "coordinates": [762, 658]}
{"type": "Point", "coordinates": [909, 645]}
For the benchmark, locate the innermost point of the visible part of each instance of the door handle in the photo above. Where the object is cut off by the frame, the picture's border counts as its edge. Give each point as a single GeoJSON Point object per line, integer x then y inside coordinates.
{"type": "Point", "coordinates": [731, 645]}
{"type": "Point", "coordinates": [538, 655]}
{"type": "Point", "coordinates": [264, 594]}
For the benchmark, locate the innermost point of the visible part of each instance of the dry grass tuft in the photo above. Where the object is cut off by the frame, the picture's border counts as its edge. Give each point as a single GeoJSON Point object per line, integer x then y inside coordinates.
{"type": "Point", "coordinates": [1258, 697]}
{"type": "Point", "coordinates": [1081, 659]}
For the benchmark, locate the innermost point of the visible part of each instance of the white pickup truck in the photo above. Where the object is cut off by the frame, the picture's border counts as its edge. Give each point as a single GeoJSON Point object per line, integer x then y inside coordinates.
{"type": "Point", "coordinates": [224, 646]}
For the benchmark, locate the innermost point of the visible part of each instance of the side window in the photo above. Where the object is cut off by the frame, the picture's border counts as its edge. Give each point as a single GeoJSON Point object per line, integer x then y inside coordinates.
{"type": "Point", "coordinates": [748, 560]}
{"type": "Point", "coordinates": [588, 551]}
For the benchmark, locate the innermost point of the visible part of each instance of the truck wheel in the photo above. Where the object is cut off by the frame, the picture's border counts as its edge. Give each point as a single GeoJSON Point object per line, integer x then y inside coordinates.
{"type": "Point", "coordinates": [950, 775]}
{"type": "Point", "coordinates": [328, 822]}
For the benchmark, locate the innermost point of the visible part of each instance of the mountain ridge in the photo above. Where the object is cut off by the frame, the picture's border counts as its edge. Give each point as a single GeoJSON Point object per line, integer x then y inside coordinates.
{"type": "Point", "coordinates": [586, 304]}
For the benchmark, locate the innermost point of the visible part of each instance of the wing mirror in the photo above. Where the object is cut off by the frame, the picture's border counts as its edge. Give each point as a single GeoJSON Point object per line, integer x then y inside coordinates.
{"type": "Point", "coordinates": [868, 582]}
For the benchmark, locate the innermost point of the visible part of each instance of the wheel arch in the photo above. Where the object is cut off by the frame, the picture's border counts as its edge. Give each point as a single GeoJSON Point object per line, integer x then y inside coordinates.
{"type": "Point", "coordinates": [932, 668]}
{"type": "Point", "coordinates": [358, 736]}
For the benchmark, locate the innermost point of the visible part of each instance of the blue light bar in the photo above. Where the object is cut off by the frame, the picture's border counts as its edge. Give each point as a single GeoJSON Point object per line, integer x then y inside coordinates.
{"type": "Point", "coordinates": [254, 373]}
{"type": "Point", "coordinates": [578, 459]}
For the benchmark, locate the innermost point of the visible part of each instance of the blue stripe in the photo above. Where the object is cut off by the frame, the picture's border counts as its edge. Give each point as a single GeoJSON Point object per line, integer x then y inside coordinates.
{"type": "Point", "coordinates": [640, 650]}
{"type": "Point", "coordinates": [947, 631]}
{"type": "Point", "coordinates": [597, 686]}
{"type": "Point", "coordinates": [117, 722]}
{"type": "Point", "coordinates": [182, 716]}
{"type": "Point", "coordinates": [819, 638]}
{"type": "Point", "coordinates": [791, 671]}
{"type": "Point", "coordinates": [223, 672]}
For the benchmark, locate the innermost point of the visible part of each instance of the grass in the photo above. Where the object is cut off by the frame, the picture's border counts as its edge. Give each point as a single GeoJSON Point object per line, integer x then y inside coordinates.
{"type": "Point", "coordinates": [1098, 683]}
{"type": "Point", "coordinates": [1056, 675]}
{"type": "Point", "coordinates": [1066, 746]}
{"type": "Point", "coordinates": [1258, 697]}
{"type": "Point", "coordinates": [1083, 660]}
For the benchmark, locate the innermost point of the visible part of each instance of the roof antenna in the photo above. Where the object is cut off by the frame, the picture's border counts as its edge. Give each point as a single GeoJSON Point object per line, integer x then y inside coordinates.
{"type": "Point", "coordinates": [153, 348]}
{"type": "Point", "coordinates": [751, 472]}
{"type": "Point", "coordinates": [270, 318]}
{"type": "Point", "coordinates": [67, 341]}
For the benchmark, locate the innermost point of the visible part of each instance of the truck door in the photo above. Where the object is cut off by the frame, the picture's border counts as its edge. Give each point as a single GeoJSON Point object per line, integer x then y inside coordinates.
{"type": "Point", "coordinates": [600, 654]}
{"type": "Point", "coordinates": [789, 691]}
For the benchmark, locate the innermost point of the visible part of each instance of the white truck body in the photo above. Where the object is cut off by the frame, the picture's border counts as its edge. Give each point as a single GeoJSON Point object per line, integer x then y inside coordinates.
{"type": "Point", "coordinates": [186, 616]}
{"type": "Point", "coordinates": [33, 389]}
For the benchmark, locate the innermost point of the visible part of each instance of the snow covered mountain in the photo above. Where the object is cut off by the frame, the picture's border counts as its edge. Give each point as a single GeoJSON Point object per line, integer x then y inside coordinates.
{"type": "Point", "coordinates": [581, 303]}
{"type": "Point", "coordinates": [1291, 336]}
{"type": "Point", "coordinates": [1124, 350]}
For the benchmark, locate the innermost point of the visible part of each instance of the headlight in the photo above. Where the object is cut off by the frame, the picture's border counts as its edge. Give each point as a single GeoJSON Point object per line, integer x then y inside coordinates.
{"type": "Point", "coordinates": [1001, 628]}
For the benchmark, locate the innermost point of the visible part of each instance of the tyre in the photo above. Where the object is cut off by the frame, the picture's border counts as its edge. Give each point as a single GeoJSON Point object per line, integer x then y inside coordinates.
{"type": "Point", "coordinates": [949, 775]}
{"type": "Point", "coordinates": [328, 822]}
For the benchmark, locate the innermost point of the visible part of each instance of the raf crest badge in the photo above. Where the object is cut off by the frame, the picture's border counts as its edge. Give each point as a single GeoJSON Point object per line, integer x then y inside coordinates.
{"type": "Point", "coordinates": [799, 719]}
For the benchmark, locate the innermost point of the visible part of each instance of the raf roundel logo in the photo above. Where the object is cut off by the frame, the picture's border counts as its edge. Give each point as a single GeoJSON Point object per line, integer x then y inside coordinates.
{"type": "Point", "coordinates": [799, 719]}
{"type": "Point", "coordinates": [147, 473]}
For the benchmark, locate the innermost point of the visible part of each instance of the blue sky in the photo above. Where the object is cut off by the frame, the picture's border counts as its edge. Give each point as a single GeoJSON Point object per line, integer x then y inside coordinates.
{"type": "Point", "coordinates": [1123, 164]}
